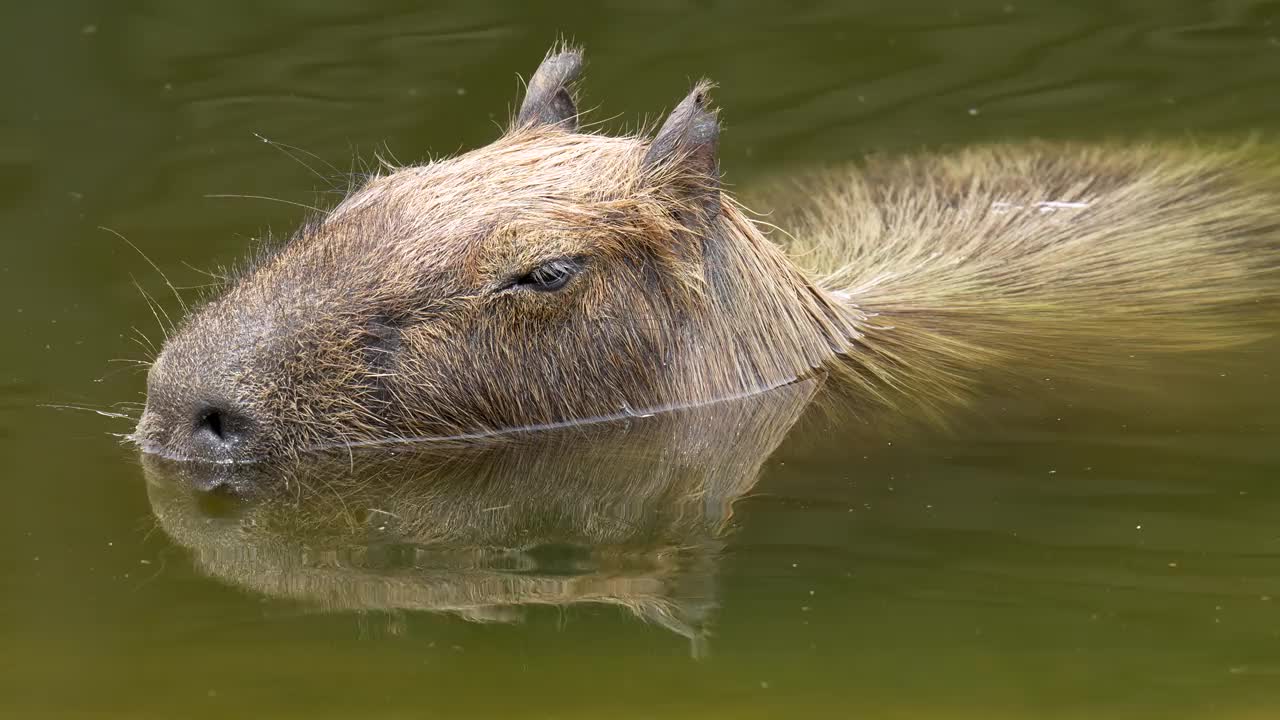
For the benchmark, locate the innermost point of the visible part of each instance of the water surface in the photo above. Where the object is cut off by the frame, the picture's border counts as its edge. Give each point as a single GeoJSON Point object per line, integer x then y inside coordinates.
{"type": "Point", "coordinates": [1105, 547]}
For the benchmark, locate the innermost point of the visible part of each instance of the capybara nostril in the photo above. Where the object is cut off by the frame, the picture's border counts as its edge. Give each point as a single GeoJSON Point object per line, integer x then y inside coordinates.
{"type": "Point", "coordinates": [218, 433]}
{"type": "Point", "coordinates": [211, 422]}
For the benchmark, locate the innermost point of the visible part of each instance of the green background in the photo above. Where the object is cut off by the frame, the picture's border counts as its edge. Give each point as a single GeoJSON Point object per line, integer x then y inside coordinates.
{"type": "Point", "coordinates": [1066, 550]}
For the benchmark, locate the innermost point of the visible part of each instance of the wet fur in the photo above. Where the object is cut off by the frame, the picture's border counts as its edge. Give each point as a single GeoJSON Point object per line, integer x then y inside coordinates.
{"type": "Point", "coordinates": [1007, 255]}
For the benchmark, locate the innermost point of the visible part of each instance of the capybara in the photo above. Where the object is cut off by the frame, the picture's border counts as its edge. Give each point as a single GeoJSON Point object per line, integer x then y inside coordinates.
{"type": "Point", "coordinates": [557, 276]}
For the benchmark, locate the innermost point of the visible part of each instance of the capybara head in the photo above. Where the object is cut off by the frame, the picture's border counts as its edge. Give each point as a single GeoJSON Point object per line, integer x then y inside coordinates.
{"type": "Point", "coordinates": [552, 276]}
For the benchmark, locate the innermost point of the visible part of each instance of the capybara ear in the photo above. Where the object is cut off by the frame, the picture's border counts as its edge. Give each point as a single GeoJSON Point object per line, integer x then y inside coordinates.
{"type": "Point", "coordinates": [549, 97]}
{"type": "Point", "coordinates": [686, 146]}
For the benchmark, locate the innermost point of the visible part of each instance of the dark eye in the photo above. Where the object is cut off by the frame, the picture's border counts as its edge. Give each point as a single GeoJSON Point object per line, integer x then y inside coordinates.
{"type": "Point", "coordinates": [551, 275]}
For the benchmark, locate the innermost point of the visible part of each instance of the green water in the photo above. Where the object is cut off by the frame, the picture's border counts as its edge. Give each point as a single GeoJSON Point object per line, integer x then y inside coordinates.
{"type": "Point", "coordinates": [1103, 548]}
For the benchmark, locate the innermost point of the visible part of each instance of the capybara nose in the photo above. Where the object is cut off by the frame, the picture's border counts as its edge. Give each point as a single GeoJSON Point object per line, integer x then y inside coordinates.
{"type": "Point", "coordinates": [219, 433]}
{"type": "Point", "coordinates": [201, 431]}
{"type": "Point", "coordinates": [194, 412]}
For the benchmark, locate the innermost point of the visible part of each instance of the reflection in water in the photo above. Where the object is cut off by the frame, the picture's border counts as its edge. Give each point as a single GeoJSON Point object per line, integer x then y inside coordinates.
{"type": "Point", "coordinates": [628, 513]}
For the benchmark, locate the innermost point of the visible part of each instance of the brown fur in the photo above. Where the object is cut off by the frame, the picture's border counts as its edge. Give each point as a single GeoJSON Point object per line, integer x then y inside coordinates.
{"type": "Point", "coordinates": [389, 318]}
{"type": "Point", "coordinates": [1053, 255]}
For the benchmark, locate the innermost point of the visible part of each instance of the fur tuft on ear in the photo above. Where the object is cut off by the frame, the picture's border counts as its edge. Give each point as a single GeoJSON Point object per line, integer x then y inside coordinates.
{"type": "Point", "coordinates": [686, 146]}
{"type": "Point", "coordinates": [549, 97]}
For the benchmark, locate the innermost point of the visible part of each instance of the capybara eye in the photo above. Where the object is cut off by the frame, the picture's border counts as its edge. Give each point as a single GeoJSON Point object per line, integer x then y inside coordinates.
{"type": "Point", "coordinates": [551, 275]}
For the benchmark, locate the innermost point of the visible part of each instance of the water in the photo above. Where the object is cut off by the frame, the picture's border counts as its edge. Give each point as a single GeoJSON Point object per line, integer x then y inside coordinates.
{"type": "Point", "coordinates": [1066, 548]}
